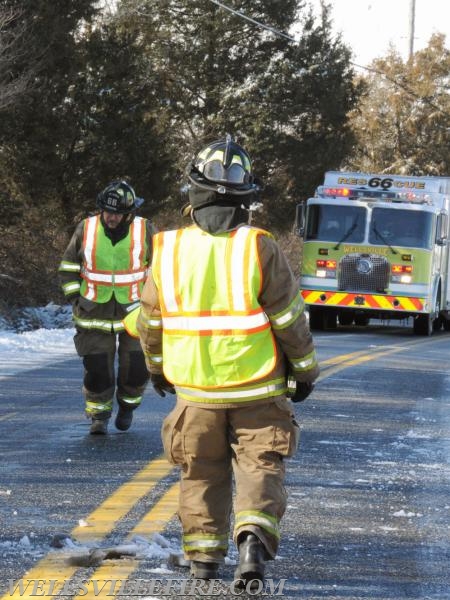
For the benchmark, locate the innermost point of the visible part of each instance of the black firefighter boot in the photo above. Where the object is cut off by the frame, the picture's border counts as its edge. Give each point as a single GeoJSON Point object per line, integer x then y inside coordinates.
{"type": "Point", "coordinates": [204, 570]}
{"type": "Point", "coordinates": [252, 555]}
{"type": "Point", "coordinates": [124, 418]}
{"type": "Point", "coordinates": [98, 426]}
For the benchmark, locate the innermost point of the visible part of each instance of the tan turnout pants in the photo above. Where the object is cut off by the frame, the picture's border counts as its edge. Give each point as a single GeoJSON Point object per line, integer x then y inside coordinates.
{"type": "Point", "coordinates": [214, 444]}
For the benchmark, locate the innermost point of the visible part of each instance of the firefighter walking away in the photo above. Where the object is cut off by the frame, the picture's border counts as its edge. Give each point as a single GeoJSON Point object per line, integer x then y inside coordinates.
{"type": "Point", "coordinates": [221, 324]}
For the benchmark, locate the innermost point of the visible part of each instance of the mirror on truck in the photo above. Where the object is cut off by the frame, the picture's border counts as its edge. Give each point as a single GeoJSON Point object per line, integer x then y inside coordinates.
{"type": "Point", "coordinates": [300, 211]}
{"type": "Point", "coordinates": [442, 229]}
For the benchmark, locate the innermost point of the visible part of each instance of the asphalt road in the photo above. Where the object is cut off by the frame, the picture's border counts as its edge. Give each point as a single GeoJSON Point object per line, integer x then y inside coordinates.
{"type": "Point", "coordinates": [369, 489]}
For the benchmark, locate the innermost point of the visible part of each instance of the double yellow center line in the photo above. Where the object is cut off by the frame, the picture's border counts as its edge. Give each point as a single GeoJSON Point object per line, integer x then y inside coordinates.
{"type": "Point", "coordinates": [338, 363]}
{"type": "Point", "coordinates": [53, 571]}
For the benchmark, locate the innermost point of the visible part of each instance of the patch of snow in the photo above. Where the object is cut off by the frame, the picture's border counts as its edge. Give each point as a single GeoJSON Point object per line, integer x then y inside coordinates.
{"type": "Point", "coordinates": [25, 541]}
{"type": "Point", "coordinates": [417, 436]}
{"type": "Point", "coordinates": [83, 523]}
{"type": "Point", "coordinates": [403, 513]}
{"type": "Point", "coordinates": [29, 350]}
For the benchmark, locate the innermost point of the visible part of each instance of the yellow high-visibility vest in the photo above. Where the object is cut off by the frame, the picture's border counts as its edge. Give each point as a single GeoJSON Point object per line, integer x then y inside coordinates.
{"type": "Point", "coordinates": [119, 269]}
{"type": "Point", "coordinates": [215, 333]}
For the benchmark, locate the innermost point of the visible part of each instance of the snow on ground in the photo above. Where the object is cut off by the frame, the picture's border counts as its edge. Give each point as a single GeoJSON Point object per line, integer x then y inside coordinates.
{"type": "Point", "coordinates": [36, 338]}
{"type": "Point", "coordinates": [40, 337]}
{"type": "Point", "coordinates": [49, 341]}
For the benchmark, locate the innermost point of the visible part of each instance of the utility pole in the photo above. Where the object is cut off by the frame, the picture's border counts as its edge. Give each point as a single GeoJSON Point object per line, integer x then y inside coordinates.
{"type": "Point", "coordinates": [412, 18]}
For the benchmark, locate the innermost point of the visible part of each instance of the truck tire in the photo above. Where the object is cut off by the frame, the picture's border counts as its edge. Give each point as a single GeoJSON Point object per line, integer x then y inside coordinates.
{"type": "Point", "coordinates": [362, 320]}
{"type": "Point", "coordinates": [423, 325]}
{"type": "Point", "coordinates": [316, 320]}
{"type": "Point", "coordinates": [329, 319]}
{"type": "Point", "coordinates": [437, 323]}
{"type": "Point", "coordinates": [345, 318]}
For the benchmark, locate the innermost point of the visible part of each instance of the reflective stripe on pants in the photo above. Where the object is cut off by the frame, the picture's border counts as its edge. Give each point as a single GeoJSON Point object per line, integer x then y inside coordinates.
{"type": "Point", "coordinates": [212, 445]}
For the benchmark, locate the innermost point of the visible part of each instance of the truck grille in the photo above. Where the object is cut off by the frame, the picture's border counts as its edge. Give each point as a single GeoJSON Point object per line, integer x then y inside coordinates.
{"type": "Point", "coordinates": [363, 273]}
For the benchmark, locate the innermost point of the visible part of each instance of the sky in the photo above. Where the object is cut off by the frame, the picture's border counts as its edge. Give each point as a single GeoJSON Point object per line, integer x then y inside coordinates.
{"type": "Point", "coordinates": [369, 26]}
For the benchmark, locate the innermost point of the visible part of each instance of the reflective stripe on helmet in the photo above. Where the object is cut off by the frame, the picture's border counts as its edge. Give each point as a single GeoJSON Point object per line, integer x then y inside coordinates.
{"type": "Point", "coordinates": [118, 197]}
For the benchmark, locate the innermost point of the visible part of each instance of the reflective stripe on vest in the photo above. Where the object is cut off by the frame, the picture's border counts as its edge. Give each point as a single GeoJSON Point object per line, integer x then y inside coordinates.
{"type": "Point", "coordinates": [209, 287]}
{"type": "Point", "coordinates": [108, 269]}
{"type": "Point", "coordinates": [245, 393]}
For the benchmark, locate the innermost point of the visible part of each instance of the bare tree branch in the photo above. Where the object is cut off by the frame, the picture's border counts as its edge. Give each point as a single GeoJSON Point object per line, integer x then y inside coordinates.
{"type": "Point", "coordinates": [12, 48]}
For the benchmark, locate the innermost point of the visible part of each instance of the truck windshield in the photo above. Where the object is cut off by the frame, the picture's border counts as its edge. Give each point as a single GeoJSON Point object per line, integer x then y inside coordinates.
{"type": "Point", "coordinates": [335, 223]}
{"type": "Point", "coordinates": [397, 227]}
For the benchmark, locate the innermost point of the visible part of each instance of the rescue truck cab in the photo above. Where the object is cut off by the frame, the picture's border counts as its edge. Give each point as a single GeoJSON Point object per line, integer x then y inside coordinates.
{"type": "Point", "coordinates": [376, 247]}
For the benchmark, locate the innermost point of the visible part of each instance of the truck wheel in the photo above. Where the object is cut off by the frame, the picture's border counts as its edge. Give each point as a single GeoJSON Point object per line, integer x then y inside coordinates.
{"type": "Point", "coordinates": [423, 325]}
{"type": "Point", "coordinates": [330, 319]}
{"type": "Point", "coordinates": [362, 320]}
{"type": "Point", "coordinates": [345, 318]}
{"type": "Point", "coordinates": [316, 320]}
{"type": "Point", "coordinates": [437, 323]}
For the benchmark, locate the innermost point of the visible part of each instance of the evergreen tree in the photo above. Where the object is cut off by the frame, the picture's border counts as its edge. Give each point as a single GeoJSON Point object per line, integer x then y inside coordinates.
{"type": "Point", "coordinates": [403, 122]}
{"type": "Point", "coordinates": [32, 134]}
{"type": "Point", "coordinates": [34, 128]}
{"type": "Point", "coordinates": [120, 127]}
{"type": "Point", "coordinates": [90, 115]}
{"type": "Point", "coordinates": [286, 101]}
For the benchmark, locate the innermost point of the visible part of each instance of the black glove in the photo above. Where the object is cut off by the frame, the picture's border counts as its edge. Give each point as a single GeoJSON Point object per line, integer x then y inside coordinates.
{"type": "Point", "coordinates": [302, 391]}
{"type": "Point", "coordinates": [161, 385]}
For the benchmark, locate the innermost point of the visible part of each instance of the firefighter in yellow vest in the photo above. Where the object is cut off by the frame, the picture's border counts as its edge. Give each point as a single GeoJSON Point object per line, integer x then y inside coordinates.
{"type": "Point", "coordinates": [102, 274]}
{"type": "Point", "coordinates": [222, 323]}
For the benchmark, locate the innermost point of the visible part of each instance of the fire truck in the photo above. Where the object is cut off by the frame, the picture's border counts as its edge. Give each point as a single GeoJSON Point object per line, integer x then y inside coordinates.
{"type": "Point", "coordinates": [376, 247]}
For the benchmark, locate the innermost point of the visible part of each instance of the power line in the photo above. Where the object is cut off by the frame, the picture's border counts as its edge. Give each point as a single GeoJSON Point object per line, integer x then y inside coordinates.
{"type": "Point", "coordinates": [254, 21]}
{"type": "Point", "coordinates": [290, 38]}
{"type": "Point", "coordinates": [240, 14]}
{"type": "Point", "coordinates": [277, 32]}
